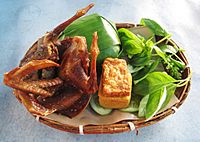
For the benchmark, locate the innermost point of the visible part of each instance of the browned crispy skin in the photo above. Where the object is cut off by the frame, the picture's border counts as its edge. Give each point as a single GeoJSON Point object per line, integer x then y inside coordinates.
{"type": "Point", "coordinates": [73, 70]}
{"type": "Point", "coordinates": [75, 63]}
{"type": "Point", "coordinates": [15, 77]}
{"type": "Point", "coordinates": [62, 100]}
{"type": "Point", "coordinates": [32, 104]}
{"type": "Point", "coordinates": [77, 107]}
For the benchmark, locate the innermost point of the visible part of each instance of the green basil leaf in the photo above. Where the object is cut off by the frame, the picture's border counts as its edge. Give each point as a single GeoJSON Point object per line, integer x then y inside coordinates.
{"type": "Point", "coordinates": [131, 48]}
{"type": "Point", "coordinates": [142, 106]}
{"type": "Point", "coordinates": [141, 59]}
{"type": "Point", "coordinates": [125, 34]}
{"type": "Point", "coordinates": [130, 42]}
{"type": "Point", "coordinates": [170, 92]}
{"type": "Point", "coordinates": [153, 82]}
{"type": "Point", "coordinates": [154, 27]}
{"type": "Point", "coordinates": [149, 43]}
{"type": "Point", "coordinates": [146, 69]}
{"type": "Point", "coordinates": [155, 102]}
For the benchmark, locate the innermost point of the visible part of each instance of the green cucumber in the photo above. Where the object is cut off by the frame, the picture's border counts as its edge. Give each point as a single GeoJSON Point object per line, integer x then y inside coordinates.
{"type": "Point", "coordinates": [94, 103]}
{"type": "Point", "coordinates": [134, 104]}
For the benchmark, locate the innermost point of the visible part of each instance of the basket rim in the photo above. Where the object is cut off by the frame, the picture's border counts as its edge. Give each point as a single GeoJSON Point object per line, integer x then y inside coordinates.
{"type": "Point", "coordinates": [126, 125]}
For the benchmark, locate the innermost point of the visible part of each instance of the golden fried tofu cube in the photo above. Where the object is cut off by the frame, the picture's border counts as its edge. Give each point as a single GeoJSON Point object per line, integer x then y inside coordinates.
{"type": "Point", "coordinates": [116, 84]}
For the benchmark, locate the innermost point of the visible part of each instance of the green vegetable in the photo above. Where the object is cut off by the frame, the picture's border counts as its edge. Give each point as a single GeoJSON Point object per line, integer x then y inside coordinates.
{"type": "Point", "coordinates": [159, 87]}
{"type": "Point", "coordinates": [153, 82]}
{"type": "Point", "coordinates": [179, 64]}
{"type": "Point", "coordinates": [170, 92]}
{"type": "Point", "coordinates": [173, 66]}
{"type": "Point", "coordinates": [152, 103]}
{"type": "Point", "coordinates": [146, 59]}
{"type": "Point", "coordinates": [108, 40]}
{"type": "Point", "coordinates": [146, 70]}
{"type": "Point", "coordinates": [131, 48]}
{"type": "Point", "coordinates": [142, 106]}
{"type": "Point", "coordinates": [155, 102]}
{"type": "Point", "coordinates": [94, 103]}
{"type": "Point", "coordinates": [131, 44]}
{"type": "Point", "coordinates": [154, 27]}
{"type": "Point", "coordinates": [134, 104]}
{"type": "Point", "coordinates": [142, 58]}
{"type": "Point", "coordinates": [160, 53]}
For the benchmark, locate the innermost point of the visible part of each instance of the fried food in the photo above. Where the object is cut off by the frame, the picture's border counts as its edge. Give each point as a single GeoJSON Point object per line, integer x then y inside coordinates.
{"type": "Point", "coordinates": [116, 83]}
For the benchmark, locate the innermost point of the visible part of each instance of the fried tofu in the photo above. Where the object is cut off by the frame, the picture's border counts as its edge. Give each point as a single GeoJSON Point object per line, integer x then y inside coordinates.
{"type": "Point", "coordinates": [115, 85]}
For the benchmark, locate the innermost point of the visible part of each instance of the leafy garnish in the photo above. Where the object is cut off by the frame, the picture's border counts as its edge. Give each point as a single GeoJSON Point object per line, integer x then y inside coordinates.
{"type": "Point", "coordinates": [154, 27]}
{"type": "Point", "coordinates": [131, 44]}
{"type": "Point", "coordinates": [173, 66]}
{"type": "Point", "coordinates": [143, 58]}
{"type": "Point", "coordinates": [142, 106]}
{"type": "Point", "coordinates": [146, 70]}
{"type": "Point", "coordinates": [155, 102]}
{"type": "Point", "coordinates": [159, 87]}
{"type": "Point", "coordinates": [153, 82]}
{"type": "Point", "coordinates": [134, 69]}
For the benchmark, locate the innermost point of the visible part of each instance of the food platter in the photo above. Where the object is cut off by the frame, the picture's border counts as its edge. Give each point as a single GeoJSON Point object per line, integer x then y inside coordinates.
{"type": "Point", "coordinates": [124, 126]}
{"type": "Point", "coordinates": [121, 125]}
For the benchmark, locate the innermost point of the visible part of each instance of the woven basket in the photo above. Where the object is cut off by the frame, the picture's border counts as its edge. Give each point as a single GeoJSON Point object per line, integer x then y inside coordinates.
{"type": "Point", "coordinates": [126, 125]}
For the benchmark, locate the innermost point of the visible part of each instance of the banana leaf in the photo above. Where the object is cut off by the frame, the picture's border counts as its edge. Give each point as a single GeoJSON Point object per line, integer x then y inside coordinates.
{"type": "Point", "coordinates": [108, 40]}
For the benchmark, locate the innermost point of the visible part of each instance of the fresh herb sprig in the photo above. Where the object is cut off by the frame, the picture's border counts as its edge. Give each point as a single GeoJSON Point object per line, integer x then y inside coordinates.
{"type": "Point", "coordinates": [173, 66]}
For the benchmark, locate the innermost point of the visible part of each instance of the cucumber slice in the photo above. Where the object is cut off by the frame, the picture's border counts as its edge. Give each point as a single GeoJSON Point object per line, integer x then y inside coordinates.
{"type": "Point", "coordinates": [94, 103]}
{"type": "Point", "coordinates": [134, 104]}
